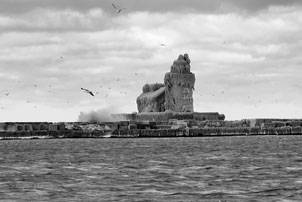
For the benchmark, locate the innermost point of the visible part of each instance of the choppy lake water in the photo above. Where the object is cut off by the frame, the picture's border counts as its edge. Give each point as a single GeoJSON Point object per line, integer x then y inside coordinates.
{"type": "Point", "coordinates": [266, 168]}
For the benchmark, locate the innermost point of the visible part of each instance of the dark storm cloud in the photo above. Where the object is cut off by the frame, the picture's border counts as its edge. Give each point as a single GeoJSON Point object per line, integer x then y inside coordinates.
{"type": "Point", "coordinates": [9, 6]}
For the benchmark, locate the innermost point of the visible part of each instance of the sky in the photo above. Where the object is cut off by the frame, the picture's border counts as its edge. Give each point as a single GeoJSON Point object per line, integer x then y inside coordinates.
{"type": "Point", "coordinates": [246, 55]}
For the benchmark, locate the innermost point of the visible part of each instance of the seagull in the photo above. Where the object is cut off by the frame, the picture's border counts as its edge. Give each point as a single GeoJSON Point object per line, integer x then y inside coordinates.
{"type": "Point", "coordinates": [60, 59]}
{"type": "Point", "coordinates": [162, 44]}
{"type": "Point", "coordinates": [87, 91]}
{"type": "Point", "coordinates": [117, 8]}
{"type": "Point", "coordinates": [6, 94]}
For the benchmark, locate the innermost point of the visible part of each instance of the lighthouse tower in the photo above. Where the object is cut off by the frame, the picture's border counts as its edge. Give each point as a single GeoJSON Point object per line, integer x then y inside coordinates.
{"type": "Point", "coordinates": [179, 84]}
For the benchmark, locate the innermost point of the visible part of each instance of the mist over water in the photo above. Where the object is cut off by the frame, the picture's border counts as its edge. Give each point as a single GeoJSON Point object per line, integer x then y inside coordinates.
{"type": "Point", "coordinates": [266, 168]}
{"type": "Point", "coordinates": [101, 115]}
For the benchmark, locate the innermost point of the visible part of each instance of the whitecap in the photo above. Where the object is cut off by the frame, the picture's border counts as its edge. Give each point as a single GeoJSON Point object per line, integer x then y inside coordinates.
{"type": "Point", "coordinates": [154, 191]}
{"type": "Point", "coordinates": [293, 168]}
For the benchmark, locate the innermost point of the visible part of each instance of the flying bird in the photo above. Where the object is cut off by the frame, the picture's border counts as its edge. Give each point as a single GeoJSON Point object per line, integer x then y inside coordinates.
{"type": "Point", "coordinates": [87, 91]}
{"type": "Point", "coordinates": [60, 59]}
{"type": "Point", "coordinates": [117, 8]}
{"type": "Point", "coordinates": [162, 44]}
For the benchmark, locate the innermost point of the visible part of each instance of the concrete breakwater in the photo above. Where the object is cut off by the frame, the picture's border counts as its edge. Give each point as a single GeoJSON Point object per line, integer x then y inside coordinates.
{"type": "Point", "coordinates": [205, 132]}
{"type": "Point", "coordinates": [147, 133]}
{"type": "Point", "coordinates": [141, 129]}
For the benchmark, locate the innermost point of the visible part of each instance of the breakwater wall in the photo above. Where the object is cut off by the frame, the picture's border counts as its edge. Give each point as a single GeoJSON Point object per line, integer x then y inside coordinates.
{"type": "Point", "coordinates": [205, 132]}
{"type": "Point", "coordinates": [142, 129]}
{"type": "Point", "coordinates": [148, 133]}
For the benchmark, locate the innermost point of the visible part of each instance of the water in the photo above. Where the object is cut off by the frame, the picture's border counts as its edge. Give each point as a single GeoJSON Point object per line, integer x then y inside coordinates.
{"type": "Point", "coordinates": [267, 168]}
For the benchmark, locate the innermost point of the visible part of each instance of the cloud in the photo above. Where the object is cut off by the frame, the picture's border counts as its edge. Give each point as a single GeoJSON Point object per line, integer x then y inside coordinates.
{"type": "Point", "coordinates": [41, 19]}
{"type": "Point", "coordinates": [238, 59]}
{"type": "Point", "coordinates": [202, 6]}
